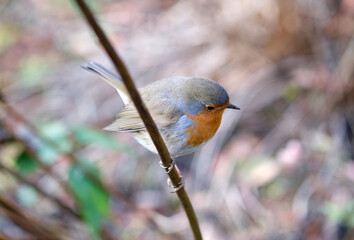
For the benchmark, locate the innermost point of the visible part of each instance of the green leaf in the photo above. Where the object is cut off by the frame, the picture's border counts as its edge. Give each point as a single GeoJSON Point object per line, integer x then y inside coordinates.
{"type": "Point", "coordinates": [58, 134]}
{"type": "Point", "coordinates": [333, 212]}
{"type": "Point", "coordinates": [47, 153]}
{"type": "Point", "coordinates": [25, 163]}
{"type": "Point", "coordinates": [87, 135]}
{"type": "Point", "coordinates": [340, 213]}
{"type": "Point", "coordinates": [93, 200]}
{"type": "Point", "coordinates": [27, 196]}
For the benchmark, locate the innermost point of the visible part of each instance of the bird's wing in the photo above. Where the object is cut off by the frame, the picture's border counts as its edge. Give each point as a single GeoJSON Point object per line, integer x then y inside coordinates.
{"type": "Point", "coordinates": [128, 120]}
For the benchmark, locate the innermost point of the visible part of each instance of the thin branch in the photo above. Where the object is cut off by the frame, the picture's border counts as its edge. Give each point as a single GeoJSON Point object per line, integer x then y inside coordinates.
{"type": "Point", "coordinates": [38, 189]}
{"type": "Point", "coordinates": [145, 116]}
{"type": "Point", "coordinates": [26, 221]}
{"type": "Point", "coordinates": [8, 124]}
{"type": "Point", "coordinates": [72, 158]}
{"type": "Point", "coordinates": [4, 237]}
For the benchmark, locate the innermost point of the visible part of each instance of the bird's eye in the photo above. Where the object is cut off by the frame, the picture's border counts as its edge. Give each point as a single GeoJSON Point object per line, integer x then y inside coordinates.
{"type": "Point", "coordinates": [210, 107]}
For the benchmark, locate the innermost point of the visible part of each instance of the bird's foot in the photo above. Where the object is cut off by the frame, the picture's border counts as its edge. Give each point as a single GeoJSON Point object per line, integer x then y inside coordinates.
{"type": "Point", "coordinates": [173, 187]}
{"type": "Point", "coordinates": [169, 167]}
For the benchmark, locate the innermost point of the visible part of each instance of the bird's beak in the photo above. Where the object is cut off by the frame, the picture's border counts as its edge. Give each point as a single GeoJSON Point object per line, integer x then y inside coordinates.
{"type": "Point", "coordinates": [233, 107]}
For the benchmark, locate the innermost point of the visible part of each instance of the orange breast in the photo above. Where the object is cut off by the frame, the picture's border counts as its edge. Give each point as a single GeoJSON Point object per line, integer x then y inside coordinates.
{"type": "Point", "coordinates": [204, 127]}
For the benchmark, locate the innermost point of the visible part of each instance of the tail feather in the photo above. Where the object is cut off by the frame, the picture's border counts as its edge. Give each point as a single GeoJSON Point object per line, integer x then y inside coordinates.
{"type": "Point", "coordinates": [110, 78]}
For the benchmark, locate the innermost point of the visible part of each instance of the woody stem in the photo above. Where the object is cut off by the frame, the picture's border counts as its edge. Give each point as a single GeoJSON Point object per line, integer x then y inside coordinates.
{"type": "Point", "coordinates": [145, 116]}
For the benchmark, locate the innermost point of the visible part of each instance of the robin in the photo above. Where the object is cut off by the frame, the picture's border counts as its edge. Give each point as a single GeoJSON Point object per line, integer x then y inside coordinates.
{"type": "Point", "coordinates": [186, 110]}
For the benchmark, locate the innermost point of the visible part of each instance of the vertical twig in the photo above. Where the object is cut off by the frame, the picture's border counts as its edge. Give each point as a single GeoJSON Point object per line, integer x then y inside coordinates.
{"type": "Point", "coordinates": [145, 116]}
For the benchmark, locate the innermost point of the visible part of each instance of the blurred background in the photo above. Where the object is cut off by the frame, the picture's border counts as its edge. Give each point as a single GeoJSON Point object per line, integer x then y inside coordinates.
{"type": "Point", "coordinates": [281, 168]}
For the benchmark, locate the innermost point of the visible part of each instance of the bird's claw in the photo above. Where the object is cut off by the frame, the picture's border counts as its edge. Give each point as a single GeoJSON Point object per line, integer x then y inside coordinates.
{"type": "Point", "coordinates": [175, 188]}
{"type": "Point", "coordinates": [169, 182]}
{"type": "Point", "coordinates": [169, 167]}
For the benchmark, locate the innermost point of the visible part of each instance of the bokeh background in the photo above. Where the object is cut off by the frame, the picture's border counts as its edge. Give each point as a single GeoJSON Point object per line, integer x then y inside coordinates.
{"type": "Point", "coordinates": [281, 168]}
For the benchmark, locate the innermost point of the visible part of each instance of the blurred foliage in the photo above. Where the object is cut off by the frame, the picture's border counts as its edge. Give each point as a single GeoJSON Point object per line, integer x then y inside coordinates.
{"type": "Point", "coordinates": [87, 135]}
{"type": "Point", "coordinates": [27, 196]}
{"type": "Point", "coordinates": [58, 134]}
{"type": "Point", "coordinates": [92, 199]}
{"type": "Point", "coordinates": [340, 213]}
{"type": "Point", "coordinates": [25, 163]}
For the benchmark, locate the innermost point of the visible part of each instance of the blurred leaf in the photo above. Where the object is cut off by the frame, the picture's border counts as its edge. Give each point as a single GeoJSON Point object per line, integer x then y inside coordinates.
{"type": "Point", "coordinates": [32, 70]}
{"type": "Point", "coordinates": [25, 163]}
{"type": "Point", "coordinates": [8, 36]}
{"type": "Point", "coordinates": [88, 135]}
{"type": "Point", "coordinates": [343, 214]}
{"type": "Point", "coordinates": [93, 200]}
{"type": "Point", "coordinates": [276, 189]}
{"type": "Point", "coordinates": [351, 220]}
{"type": "Point", "coordinates": [58, 133]}
{"type": "Point", "coordinates": [27, 196]}
{"type": "Point", "coordinates": [47, 153]}
{"type": "Point", "coordinates": [291, 92]}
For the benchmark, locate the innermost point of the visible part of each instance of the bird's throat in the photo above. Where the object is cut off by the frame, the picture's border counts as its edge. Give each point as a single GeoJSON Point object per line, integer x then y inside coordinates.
{"type": "Point", "coordinates": [204, 127]}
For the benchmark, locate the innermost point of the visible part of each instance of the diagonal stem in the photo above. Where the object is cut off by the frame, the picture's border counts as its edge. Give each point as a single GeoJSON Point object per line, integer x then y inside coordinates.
{"type": "Point", "coordinates": [145, 116]}
{"type": "Point", "coordinates": [27, 181]}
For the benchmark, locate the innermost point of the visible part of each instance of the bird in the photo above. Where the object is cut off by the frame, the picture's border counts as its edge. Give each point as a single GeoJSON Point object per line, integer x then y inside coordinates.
{"type": "Point", "coordinates": [186, 110]}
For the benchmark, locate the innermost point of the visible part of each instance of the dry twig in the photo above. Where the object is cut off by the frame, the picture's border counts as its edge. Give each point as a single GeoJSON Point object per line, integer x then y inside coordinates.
{"type": "Point", "coordinates": [145, 116]}
{"type": "Point", "coordinates": [27, 222]}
